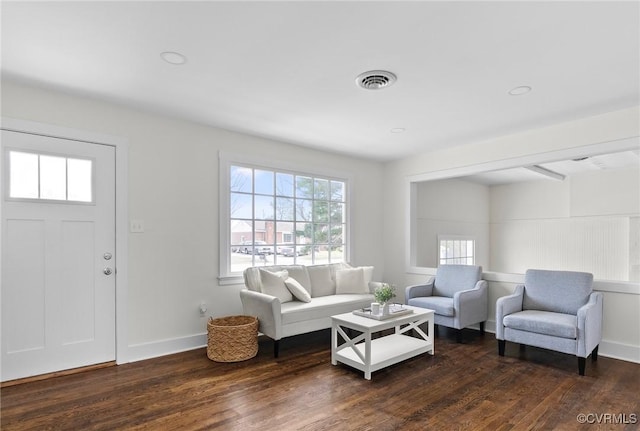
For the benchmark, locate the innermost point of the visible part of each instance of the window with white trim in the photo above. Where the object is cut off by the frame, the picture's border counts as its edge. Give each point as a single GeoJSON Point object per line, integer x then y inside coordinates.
{"type": "Point", "coordinates": [456, 250]}
{"type": "Point", "coordinates": [282, 217]}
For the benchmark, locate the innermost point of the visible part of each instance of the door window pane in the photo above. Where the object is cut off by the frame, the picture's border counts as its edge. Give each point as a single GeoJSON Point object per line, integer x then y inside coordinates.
{"type": "Point", "coordinates": [79, 180]}
{"type": "Point", "coordinates": [23, 177]}
{"type": "Point", "coordinates": [53, 178]}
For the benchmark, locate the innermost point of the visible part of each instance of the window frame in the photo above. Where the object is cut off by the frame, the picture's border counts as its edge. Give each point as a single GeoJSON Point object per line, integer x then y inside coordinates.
{"type": "Point", "coordinates": [455, 238]}
{"type": "Point", "coordinates": [226, 160]}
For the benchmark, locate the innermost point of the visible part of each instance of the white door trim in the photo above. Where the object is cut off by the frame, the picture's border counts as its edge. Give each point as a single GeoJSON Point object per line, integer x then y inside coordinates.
{"type": "Point", "coordinates": [122, 210]}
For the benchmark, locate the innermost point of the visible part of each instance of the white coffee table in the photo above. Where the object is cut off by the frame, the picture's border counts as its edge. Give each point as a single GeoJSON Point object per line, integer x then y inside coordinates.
{"type": "Point", "coordinates": [369, 355]}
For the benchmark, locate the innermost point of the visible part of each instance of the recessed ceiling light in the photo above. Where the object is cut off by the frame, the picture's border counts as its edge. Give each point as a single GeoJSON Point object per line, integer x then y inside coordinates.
{"type": "Point", "coordinates": [518, 91]}
{"type": "Point", "coordinates": [397, 130]}
{"type": "Point", "coordinates": [173, 57]}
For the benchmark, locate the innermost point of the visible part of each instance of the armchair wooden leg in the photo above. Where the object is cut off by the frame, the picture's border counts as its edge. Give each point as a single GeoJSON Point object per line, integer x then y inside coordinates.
{"type": "Point", "coordinates": [581, 365]}
{"type": "Point", "coordinates": [594, 354]}
{"type": "Point", "coordinates": [501, 344]}
{"type": "Point", "coordinates": [458, 336]}
{"type": "Point", "coordinates": [276, 348]}
{"type": "Point", "coordinates": [482, 328]}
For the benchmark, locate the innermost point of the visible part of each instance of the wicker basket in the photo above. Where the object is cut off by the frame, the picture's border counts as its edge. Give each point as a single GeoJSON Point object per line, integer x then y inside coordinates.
{"type": "Point", "coordinates": [232, 338]}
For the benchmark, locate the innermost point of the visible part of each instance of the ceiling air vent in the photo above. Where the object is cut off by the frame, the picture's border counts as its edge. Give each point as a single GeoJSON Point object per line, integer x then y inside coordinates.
{"type": "Point", "coordinates": [375, 79]}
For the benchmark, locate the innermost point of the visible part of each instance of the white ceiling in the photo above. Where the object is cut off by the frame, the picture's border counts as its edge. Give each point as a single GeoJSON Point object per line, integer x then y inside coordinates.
{"type": "Point", "coordinates": [286, 70]}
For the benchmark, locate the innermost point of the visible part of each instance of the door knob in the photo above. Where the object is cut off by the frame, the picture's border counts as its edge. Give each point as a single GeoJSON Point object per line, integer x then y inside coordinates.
{"type": "Point", "coordinates": [107, 271]}
{"type": "Point", "coordinates": [107, 256]}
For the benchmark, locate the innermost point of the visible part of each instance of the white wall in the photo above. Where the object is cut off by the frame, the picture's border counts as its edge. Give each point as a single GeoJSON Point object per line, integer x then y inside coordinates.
{"type": "Point", "coordinates": [621, 334]}
{"type": "Point", "coordinates": [173, 188]}
{"type": "Point", "coordinates": [581, 224]}
{"type": "Point", "coordinates": [174, 264]}
{"type": "Point", "coordinates": [451, 207]}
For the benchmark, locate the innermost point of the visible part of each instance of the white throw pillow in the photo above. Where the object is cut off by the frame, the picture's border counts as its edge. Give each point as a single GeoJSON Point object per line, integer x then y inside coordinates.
{"type": "Point", "coordinates": [368, 273]}
{"type": "Point", "coordinates": [351, 281]}
{"type": "Point", "coordinates": [321, 282]}
{"type": "Point", "coordinates": [297, 290]}
{"type": "Point", "coordinates": [273, 284]}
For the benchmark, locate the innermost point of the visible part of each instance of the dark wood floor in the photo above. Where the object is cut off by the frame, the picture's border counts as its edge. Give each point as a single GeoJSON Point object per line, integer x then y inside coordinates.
{"type": "Point", "coordinates": [464, 386]}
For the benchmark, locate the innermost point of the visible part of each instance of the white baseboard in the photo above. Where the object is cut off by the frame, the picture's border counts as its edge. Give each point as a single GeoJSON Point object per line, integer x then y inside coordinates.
{"type": "Point", "coordinates": [624, 352]}
{"type": "Point", "coordinates": [608, 349]}
{"type": "Point", "coordinates": [139, 352]}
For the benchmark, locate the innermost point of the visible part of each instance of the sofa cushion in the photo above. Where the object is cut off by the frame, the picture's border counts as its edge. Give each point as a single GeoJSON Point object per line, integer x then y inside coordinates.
{"type": "Point", "coordinates": [453, 278]}
{"type": "Point", "coordinates": [297, 290]}
{"type": "Point", "coordinates": [299, 272]}
{"type": "Point", "coordinates": [544, 322]}
{"type": "Point", "coordinates": [351, 281]}
{"type": "Point", "coordinates": [252, 279]}
{"type": "Point", "coordinates": [273, 284]}
{"type": "Point", "coordinates": [557, 291]}
{"type": "Point", "coordinates": [441, 305]}
{"type": "Point", "coordinates": [323, 307]}
{"type": "Point", "coordinates": [322, 284]}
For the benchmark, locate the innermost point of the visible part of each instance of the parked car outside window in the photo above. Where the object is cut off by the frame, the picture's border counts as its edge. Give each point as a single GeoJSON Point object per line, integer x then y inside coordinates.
{"type": "Point", "coordinates": [261, 247]}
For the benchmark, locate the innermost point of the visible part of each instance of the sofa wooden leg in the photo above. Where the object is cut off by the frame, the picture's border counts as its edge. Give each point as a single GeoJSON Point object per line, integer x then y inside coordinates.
{"type": "Point", "coordinates": [458, 336]}
{"type": "Point", "coordinates": [276, 348]}
{"type": "Point", "coordinates": [501, 344]}
{"type": "Point", "coordinates": [581, 365]}
{"type": "Point", "coordinates": [594, 354]}
{"type": "Point", "coordinates": [482, 328]}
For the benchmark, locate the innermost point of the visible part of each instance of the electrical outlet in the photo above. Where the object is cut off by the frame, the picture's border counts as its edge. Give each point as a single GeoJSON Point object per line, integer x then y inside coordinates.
{"type": "Point", "coordinates": [137, 226]}
{"type": "Point", "coordinates": [203, 308]}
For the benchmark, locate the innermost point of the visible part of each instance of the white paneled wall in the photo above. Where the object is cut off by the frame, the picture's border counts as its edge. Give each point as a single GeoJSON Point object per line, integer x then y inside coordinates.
{"type": "Point", "coordinates": [588, 222]}
{"type": "Point", "coordinates": [599, 245]}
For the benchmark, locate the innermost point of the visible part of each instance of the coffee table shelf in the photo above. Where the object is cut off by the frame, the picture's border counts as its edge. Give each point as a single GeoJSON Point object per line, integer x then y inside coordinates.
{"type": "Point", "coordinates": [367, 354]}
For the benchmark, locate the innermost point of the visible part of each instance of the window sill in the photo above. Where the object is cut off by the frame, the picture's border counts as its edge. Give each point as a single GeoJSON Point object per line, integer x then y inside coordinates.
{"type": "Point", "coordinates": [230, 280]}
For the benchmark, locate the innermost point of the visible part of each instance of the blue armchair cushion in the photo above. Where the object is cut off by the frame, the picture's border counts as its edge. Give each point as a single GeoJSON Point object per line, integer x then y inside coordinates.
{"type": "Point", "coordinates": [453, 278]}
{"type": "Point", "coordinates": [439, 304]}
{"type": "Point", "coordinates": [544, 322]}
{"type": "Point", "coordinates": [556, 291]}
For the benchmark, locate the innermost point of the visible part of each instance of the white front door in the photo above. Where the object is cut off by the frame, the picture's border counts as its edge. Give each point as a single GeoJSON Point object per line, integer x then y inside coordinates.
{"type": "Point", "coordinates": [58, 254]}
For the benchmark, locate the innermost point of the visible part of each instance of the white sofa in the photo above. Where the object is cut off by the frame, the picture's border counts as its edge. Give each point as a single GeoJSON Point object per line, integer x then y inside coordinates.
{"type": "Point", "coordinates": [321, 291]}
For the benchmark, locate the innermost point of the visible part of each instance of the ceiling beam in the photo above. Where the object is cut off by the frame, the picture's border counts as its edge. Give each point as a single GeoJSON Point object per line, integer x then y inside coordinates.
{"type": "Point", "coordinates": [546, 172]}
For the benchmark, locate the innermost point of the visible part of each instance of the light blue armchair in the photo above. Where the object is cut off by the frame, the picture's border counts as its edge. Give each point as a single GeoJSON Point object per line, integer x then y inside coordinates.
{"type": "Point", "coordinates": [457, 294]}
{"type": "Point", "coordinates": [555, 310]}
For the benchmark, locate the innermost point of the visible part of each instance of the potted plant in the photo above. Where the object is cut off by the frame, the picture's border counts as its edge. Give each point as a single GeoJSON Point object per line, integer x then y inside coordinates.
{"type": "Point", "coordinates": [383, 294]}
